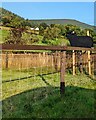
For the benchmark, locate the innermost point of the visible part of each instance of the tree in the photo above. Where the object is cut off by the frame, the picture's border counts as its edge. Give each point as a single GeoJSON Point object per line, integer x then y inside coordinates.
{"type": "Point", "coordinates": [74, 28]}
{"type": "Point", "coordinates": [15, 36]}
{"type": "Point", "coordinates": [30, 38]}
{"type": "Point", "coordinates": [42, 27]}
{"type": "Point", "coordinates": [5, 21]}
{"type": "Point", "coordinates": [51, 35]}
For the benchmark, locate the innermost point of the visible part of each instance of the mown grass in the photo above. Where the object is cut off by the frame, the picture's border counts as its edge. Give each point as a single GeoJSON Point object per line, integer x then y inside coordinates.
{"type": "Point", "coordinates": [39, 96]}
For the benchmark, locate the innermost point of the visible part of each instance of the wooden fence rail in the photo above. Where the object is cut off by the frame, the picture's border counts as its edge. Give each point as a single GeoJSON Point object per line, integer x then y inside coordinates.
{"type": "Point", "coordinates": [40, 47]}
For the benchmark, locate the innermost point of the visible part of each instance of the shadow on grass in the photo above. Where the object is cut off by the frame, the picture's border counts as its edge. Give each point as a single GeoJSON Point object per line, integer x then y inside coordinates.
{"type": "Point", "coordinates": [92, 77]}
{"type": "Point", "coordinates": [44, 80]}
{"type": "Point", "coordinates": [31, 76]}
{"type": "Point", "coordinates": [46, 102]}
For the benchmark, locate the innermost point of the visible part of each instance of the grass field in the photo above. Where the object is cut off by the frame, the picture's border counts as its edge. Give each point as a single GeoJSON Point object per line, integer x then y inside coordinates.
{"type": "Point", "coordinates": [39, 96]}
{"type": "Point", "coordinates": [3, 35]}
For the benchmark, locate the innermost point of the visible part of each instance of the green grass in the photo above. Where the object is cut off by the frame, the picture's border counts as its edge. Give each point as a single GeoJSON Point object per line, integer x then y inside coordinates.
{"type": "Point", "coordinates": [12, 74]}
{"type": "Point", "coordinates": [39, 96]}
{"type": "Point", "coordinates": [3, 35]}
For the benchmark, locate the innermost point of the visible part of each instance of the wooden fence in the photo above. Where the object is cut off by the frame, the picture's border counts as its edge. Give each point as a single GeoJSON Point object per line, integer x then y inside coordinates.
{"type": "Point", "coordinates": [30, 60]}
{"type": "Point", "coordinates": [63, 57]}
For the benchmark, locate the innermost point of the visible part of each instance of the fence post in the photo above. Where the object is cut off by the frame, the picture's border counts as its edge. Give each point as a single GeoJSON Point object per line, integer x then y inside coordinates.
{"type": "Point", "coordinates": [89, 59]}
{"type": "Point", "coordinates": [62, 72]}
{"type": "Point", "coordinates": [94, 66]}
{"type": "Point", "coordinates": [73, 62]}
{"type": "Point", "coordinates": [89, 63]}
{"type": "Point", "coordinates": [6, 60]}
{"type": "Point", "coordinates": [88, 33]}
{"type": "Point", "coordinates": [81, 64]}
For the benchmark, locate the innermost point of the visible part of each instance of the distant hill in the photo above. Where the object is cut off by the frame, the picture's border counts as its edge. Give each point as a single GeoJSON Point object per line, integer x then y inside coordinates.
{"type": "Point", "coordinates": [10, 18]}
{"type": "Point", "coordinates": [63, 21]}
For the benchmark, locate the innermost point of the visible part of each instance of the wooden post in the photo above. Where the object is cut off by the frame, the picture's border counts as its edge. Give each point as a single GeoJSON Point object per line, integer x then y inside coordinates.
{"type": "Point", "coordinates": [73, 62]}
{"type": "Point", "coordinates": [89, 59]}
{"type": "Point", "coordinates": [85, 62]}
{"type": "Point", "coordinates": [81, 67]}
{"type": "Point", "coordinates": [88, 33]}
{"type": "Point", "coordinates": [62, 72]}
{"type": "Point", "coordinates": [6, 60]}
{"type": "Point", "coordinates": [95, 66]}
{"type": "Point", "coordinates": [89, 63]}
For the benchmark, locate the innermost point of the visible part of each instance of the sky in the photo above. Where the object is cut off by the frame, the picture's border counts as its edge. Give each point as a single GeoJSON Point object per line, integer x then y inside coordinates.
{"type": "Point", "coordinates": [81, 11]}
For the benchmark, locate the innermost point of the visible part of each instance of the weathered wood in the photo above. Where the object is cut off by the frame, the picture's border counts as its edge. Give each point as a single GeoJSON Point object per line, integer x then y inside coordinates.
{"type": "Point", "coordinates": [6, 60]}
{"type": "Point", "coordinates": [89, 63]}
{"type": "Point", "coordinates": [73, 62]}
{"type": "Point", "coordinates": [39, 47]}
{"type": "Point", "coordinates": [81, 67]}
{"type": "Point", "coordinates": [62, 72]}
{"type": "Point", "coordinates": [89, 58]}
{"type": "Point", "coordinates": [95, 66]}
{"type": "Point", "coordinates": [88, 33]}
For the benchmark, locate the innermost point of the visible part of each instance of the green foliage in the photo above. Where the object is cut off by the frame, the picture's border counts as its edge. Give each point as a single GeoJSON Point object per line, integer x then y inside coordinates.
{"type": "Point", "coordinates": [15, 37]}
{"type": "Point", "coordinates": [42, 27]}
{"type": "Point", "coordinates": [64, 42]}
{"type": "Point", "coordinates": [30, 38]}
{"type": "Point", "coordinates": [74, 28]}
{"type": "Point", "coordinates": [5, 21]}
{"type": "Point", "coordinates": [3, 35]}
{"type": "Point", "coordinates": [51, 35]}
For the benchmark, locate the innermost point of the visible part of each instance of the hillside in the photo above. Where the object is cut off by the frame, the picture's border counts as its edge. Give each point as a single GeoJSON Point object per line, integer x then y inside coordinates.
{"type": "Point", "coordinates": [9, 19]}
{"type": "Point", "coordinates": [6, 13]}
{"type": "Point", "coordinates": [63, 21]}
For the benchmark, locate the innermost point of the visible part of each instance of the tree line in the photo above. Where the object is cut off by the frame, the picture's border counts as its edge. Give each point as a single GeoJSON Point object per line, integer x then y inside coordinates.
{"type": "Point", "coordinates": [54, 34]}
